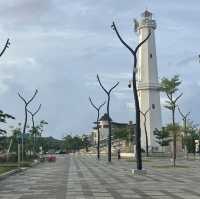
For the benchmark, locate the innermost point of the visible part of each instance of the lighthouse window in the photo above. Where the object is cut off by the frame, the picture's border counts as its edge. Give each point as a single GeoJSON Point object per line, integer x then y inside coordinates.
{"type": "Point", "coordinates": [153, 106]}
{"type": "Point", "coordinates": [150, 55]}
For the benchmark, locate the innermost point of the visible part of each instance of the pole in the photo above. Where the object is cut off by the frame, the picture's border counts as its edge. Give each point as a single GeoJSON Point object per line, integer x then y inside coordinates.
{"type": "Point", "coordinates": [18, 157]}
{"type": "Point", "coordinates": [109, 131]}
{"type": "Point", "coordinates": [98, 140]}
{"type": "Point", "coordinates": [137, 115]}
{"type": "Point", "coordinates": [22, 147]}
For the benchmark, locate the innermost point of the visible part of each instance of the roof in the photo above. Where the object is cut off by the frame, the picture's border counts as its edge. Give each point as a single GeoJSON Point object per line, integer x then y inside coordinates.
{"type": "Point", "coordinates": [105, 117]}
{"type": "Point", "coordinates": [146, 13]}
{"type": "Point", "coordinates": [117, 124]}
{"type": "Point", "coordinates": [122, 124]}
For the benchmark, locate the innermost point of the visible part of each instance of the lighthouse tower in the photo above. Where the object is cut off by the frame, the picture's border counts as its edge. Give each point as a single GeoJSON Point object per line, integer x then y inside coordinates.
{"type": "Point", "coordinates": [147, 78]}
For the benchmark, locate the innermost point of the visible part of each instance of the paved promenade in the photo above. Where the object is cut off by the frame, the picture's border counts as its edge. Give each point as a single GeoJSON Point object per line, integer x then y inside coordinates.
{"type": "Point", "coordinates": [77, 177]}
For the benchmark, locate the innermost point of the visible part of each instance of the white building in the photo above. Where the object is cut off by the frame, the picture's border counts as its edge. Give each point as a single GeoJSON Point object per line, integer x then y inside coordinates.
{"type": "Point", "coordinates": [147, 77]}
{"type": "Point", "coordinates": [103, 129]}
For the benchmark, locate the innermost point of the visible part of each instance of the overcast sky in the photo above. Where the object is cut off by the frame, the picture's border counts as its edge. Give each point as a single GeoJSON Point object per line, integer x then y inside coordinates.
{"type": "Point", "coordinates": [58, 47]}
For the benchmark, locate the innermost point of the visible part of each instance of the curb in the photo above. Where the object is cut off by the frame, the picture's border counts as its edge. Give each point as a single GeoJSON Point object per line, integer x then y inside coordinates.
{"type": "Point", "coordinates": [18, 170]}
{"type": "Point", "coordinates": [9, 173]}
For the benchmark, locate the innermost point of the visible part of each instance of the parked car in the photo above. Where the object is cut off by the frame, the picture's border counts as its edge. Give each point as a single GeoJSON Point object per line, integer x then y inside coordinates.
{"type": "Point", "coordinates": [51, 158]}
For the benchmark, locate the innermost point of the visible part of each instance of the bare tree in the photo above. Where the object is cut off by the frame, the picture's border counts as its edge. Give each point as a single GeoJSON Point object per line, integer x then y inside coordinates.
{"type": "Point", "coordinates": [97, 121]}
{"type": "Point", "coordinates": [184, 118]}
{"type": "Point", "coordinates": [108, 92]}
{"type": "Point", "coordinates": [5, 47]}
{"type": "Point", "coordinates": [137, 107]}
{"type": "Point", "coordinates": [26, 103]}
{"type": "Point", "coordinates": [145, 129]}
{"type": "Point", "coordinates": [34, 130]}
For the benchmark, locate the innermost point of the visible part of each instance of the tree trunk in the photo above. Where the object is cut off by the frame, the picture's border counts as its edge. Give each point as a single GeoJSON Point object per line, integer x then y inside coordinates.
{"type": "Point", "coordinates": [109, 130]}
{"type": "Point", "coordinates": [174, 138]}
{"type": "Point", "coordinates": [24, 131]}
{"type": "Point", "coordinates": [199, 146]}
{"type": "Point", "coordinates": [185, 134]}
{"type": "Point", "coordinates": [98, 139]}
{"type": "Point", "coordinates": [137, 114]}
{"type": "Point", "coordinates": [147, 145]}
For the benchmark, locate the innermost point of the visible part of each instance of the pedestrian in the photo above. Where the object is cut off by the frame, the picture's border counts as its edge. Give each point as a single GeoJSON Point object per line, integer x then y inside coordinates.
{"type": "Point", "coordinates": [118, 154]}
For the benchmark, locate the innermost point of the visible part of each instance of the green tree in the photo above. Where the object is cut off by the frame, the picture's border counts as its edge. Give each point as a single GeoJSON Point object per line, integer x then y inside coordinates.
{"type": "Point", "coordinates": [68, 143]}
{"type": "Point", "coordinates": [170, 88]}
{"type": "Point", "coordinates": [16, 136]}
{"type": "Point", "coordinates": [124, 133]}
{"type": "Point", "coordinates": [38, 131]}
{"type": "Point", "coordinates": [73, 144]}
{"type": "Point", "coordinates": [85, 140]}
{"type": "Point", "coordinates": [192, 135]}
{"type": "Point", "coordinates": [163, 137]}
{"type": "Point", "coordinates": [3, 138]}
{"type": "Point", "coordinates": [121, 133]}
{"type": "Point", "coordinates": [3, 118]}
{"type": "Point", "coordinates": [50, 144]}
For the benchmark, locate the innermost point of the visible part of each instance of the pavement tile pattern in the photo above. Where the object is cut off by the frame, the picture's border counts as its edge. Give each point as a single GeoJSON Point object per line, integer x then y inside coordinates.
{"type": "Point", "coordinates": [84, 177]}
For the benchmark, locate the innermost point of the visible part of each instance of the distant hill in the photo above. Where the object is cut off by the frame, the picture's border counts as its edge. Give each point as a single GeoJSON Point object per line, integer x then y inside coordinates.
{"type": "Point", "coordinates": [50, 143]}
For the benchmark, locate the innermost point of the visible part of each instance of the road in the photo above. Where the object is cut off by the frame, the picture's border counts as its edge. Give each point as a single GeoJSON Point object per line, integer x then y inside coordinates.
{"type": "Point", "coordinates": [78, 177]}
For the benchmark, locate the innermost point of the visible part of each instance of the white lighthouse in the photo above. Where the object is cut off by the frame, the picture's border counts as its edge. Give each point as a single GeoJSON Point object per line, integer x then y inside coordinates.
{"type": "Point", "coordinates": [147, 80]}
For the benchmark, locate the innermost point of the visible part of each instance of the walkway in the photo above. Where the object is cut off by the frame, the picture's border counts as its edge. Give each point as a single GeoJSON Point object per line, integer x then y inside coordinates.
{"type": "Point", "coordinates": [77, 177]}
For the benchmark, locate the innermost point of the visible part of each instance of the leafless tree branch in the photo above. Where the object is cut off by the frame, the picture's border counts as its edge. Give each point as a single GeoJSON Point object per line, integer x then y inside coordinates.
{"type": "Point", "coordinates": [28, 101]}
{"type": "Point", "coordinates": [91, 102]}
{"type": "Point", "coordinates": [114, 87]}
{"type": "Point", "coordinates": [37, 110]}
{"type": "Point", "coordinates": [97, 108]}
{"type": "Point", "coordinates": [145, 113]}
{"type": "Point", "coordinates": [101, 84]}
{"type": "Point", "coordinates": [178, 98]}
{"type": "Point", "coordinates": [22, 98]}
{"type": "Point", "coordinates": [140, 44]}
{"type": "Point", "coordinates": [36, 91]}
{"type": "Point", "coordinates": [113, 26]}
{"type": "Point", "coordinates": [5, 47]}
{"type": "Point", "coordinates": [108, 114]}
{"type": "Point", "coordinates": [184, 116]}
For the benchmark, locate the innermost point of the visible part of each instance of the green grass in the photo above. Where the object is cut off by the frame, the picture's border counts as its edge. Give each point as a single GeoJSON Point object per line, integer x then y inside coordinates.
{"type": "Point", "coordinates": [4, 169]}
{"type": "Point", "coordinates": [25, 164]}
{"type": "Point", "coordinates": [169, 166]}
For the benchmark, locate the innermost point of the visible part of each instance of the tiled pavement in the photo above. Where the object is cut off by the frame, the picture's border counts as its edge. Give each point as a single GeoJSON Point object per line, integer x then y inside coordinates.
{"type": "Point", "coordinates": [80, 177]}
